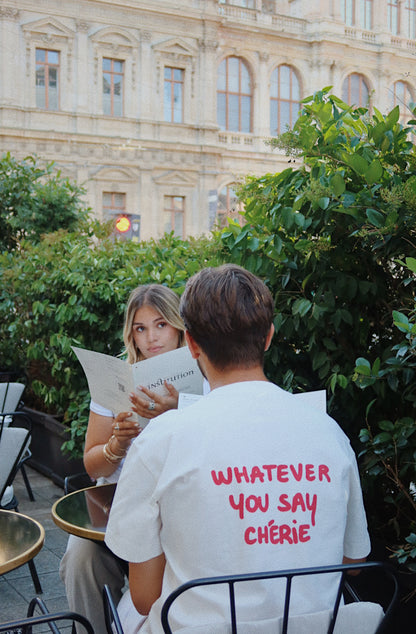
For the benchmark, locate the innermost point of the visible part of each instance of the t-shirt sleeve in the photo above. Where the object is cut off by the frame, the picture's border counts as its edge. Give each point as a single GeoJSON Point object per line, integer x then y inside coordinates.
{"type": "Point", "coordinates": [356, 539]}
{"type": "Point", "coordinates": [98, 409]}
{"type": "Point", "coordinates": [133, 530]}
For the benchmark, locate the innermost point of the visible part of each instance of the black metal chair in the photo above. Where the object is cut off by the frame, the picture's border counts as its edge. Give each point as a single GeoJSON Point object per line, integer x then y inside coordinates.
{"type": "Point", "coordinates": [28, 624]}
{"type": "Point", "coordinates": [13, 443]}
{"type": "Point", "coordinates": [77, 481]}
{"type": "Point", "coordinates": [112, 619]}
{"type": "Point", "coordinates": [11, 394]}
{"type": "Point", "coordinates": [381, 620]}
{"type": "Point", "coordinates": [14, 437]}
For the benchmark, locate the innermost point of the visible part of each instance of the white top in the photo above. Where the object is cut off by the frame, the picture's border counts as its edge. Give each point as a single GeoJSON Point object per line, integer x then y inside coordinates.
{"type": "Point", "coordinates": [246, 479]}
{"type": "Point", "coordinates": [100, 410]}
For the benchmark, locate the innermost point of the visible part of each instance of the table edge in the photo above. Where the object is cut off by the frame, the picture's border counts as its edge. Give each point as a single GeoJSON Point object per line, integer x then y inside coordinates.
{"type": "Point", "coordinates": [27, 556]}
{"type": "Point", "coordinates": [78, 531]}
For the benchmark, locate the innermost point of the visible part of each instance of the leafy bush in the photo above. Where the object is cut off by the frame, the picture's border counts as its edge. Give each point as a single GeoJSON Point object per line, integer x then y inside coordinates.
{"type": "Point", "coordinates": [35, 199]}
{"type": "Point", "coordinates": [390, 444]}
{"type": "Point", "coordinates": [331, 236]}
{"type": "Point", "coordinates": [71, 289]}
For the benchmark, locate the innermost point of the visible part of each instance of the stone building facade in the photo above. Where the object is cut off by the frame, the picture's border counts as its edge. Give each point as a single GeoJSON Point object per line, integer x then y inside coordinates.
{"type": "Point", "coordinates": [160, 106]}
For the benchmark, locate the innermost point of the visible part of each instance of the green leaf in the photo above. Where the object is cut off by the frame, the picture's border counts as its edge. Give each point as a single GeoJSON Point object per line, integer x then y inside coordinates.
{"type": "Point", "coordinates": [375, 217]}
{"type": "Point", "coordinates": [358, 164]}
{"type": "Point", "coordinates": [319, 360]}
{"type": "Point", "coordinates": [393, 117]}
{"type": "Point", "coordinates": [363, 367]}
{"type": "Point", "coordinates": [401, 321]}
{"type": "Point", "coordinates": [382, 438]}
{"type": "Point", "coordinates": [374, 172]}
{"type": "Point", "coordinates": [323, 202]}
{"type": "Point", "coordinates": [411, 264]}
{"type": "Point", "coordinates": [386, 425]}
{"type": "Point", "coordinates": [338, 184]}
{"type": "Point", "coordinates": [301, 307]}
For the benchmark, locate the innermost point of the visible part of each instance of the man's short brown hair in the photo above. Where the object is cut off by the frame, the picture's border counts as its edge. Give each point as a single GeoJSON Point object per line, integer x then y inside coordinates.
{"type": "Point", "coordinates": [228, 311]}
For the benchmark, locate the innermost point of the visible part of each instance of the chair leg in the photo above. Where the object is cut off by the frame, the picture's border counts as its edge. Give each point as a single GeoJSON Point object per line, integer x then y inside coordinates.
{"type": "Point", "coordinates": [35, 577]}
{"type": "Point", "coordinates": [27, 483]}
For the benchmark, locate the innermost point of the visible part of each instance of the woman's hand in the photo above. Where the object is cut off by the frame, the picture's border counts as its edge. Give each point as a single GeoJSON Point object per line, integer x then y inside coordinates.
{"type": "Point", "coordinates": [158, 403]}
{"type": "Point", "coordinates": [124, 430]}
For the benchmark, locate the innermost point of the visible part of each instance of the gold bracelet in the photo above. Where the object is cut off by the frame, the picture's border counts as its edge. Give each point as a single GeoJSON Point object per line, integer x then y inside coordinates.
{"type": "Point", "coordinates": [110, 456]}
{"type": "Point", "coordinates": [113, 452]}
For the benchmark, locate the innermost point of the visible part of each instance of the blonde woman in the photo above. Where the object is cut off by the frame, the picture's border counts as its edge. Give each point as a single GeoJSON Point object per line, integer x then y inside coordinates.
{"type": "Point", "coordinates": [152, 326]}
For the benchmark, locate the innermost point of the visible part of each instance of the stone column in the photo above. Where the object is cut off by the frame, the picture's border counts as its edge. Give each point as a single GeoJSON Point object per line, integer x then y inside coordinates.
{"type": "Point", "coordinates": [12, 71]}
{"type": "Point", "coordinates": [261, 105]}
{"type": "Point", "coordinates": [207, 82]}
{"type": "Point", "coordinates": [146, 85]}
{"type": "Point", "coordinates": [82, 69]}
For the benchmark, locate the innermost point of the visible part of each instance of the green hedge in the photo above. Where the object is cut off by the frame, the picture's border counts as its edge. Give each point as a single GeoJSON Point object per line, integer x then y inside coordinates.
{"type": "Point", "coordinates": [71, 289]}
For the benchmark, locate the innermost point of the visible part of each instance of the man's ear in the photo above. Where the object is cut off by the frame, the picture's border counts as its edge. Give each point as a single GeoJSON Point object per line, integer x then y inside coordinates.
{"type": "Point", "coordinates": [269, 338]}
{"type": "Point", "coordinates": [194, 349]}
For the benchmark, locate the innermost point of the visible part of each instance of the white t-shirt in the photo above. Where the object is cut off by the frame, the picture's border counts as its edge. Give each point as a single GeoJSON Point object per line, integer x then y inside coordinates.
{"type": "Point", "coordinates": [246, 479]}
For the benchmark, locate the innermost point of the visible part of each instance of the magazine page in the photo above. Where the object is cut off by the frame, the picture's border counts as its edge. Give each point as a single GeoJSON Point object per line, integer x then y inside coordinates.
{"type": "Point", "coordinates": [176, 367]}
{"type": "Point", "coordinates": [110, 380]}
{"type": "Point", "coordinates": [186, 399]}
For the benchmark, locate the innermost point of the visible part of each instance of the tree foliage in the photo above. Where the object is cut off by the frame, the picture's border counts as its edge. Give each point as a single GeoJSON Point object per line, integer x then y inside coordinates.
{"type": "Point", "coordinates": [389, 454]}
{"type": "Point", "coordinates": [331, 236]}
{"type": "Point", "coordinates": [35, 200]}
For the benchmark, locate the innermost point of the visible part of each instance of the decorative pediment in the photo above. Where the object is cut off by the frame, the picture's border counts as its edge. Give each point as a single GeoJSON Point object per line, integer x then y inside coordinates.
{"type": "Point", "coordinates": [174, 177]}
{"type": "Point", "coordinates": [114, 38]}
{"type": "Point", "coordinates": [175, 48]}
{"type": "Point", "coordinates": [117, 174]}
{"type": "Point", "coordinates": [49, 29]}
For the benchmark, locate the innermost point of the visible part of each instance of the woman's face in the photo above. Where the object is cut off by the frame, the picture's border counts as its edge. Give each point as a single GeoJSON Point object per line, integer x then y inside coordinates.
{"type": "Point", "coordinates": [152, 334]}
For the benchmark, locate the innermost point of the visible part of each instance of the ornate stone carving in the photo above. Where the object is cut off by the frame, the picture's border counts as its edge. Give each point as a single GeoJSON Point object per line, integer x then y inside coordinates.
{"type": "Point", "coordinates": [268, 6]}
{"type": "Point", "coordinates": [9, 12]}
{"type": "Point", "coordinates": [82, 26]}
{"type": "Point", "coordinates": [208, 45]}
{"type": "Point", "coordinates": [263, 57]}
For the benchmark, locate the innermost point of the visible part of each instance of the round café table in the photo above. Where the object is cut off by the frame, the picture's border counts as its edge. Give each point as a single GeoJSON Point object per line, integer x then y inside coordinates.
{"type": "Point", "coordinates": [85, 512]}
{"type": "Point", "coordinates": [21, 538]}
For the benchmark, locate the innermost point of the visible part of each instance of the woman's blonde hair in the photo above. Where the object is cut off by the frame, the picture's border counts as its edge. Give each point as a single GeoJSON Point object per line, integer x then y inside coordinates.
{"type": "Point", "coordinates": [162, 299]}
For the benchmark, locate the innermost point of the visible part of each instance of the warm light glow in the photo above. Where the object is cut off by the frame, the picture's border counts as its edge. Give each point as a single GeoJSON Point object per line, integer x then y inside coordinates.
{"type": "Point", "coordinates": [123, 224]}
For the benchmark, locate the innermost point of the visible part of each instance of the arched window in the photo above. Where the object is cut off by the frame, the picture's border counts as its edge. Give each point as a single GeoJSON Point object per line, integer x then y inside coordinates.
{"type": "Point", "coordinates": [228, 206]}
{"type": "Point", "coordinates": [284, 99]}
{"type": "Point", "coordinates": [402, 97]}
{"type": "Point", "coordinates": [234, 95]}
{"type": "Point", "coordinates": [355, 91]}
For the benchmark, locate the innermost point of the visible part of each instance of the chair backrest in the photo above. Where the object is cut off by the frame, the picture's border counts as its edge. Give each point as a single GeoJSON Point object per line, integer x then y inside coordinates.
{"type": "Point", "coordinates": [78, 481]}
{"type": "Point", "coordinates": [340, 619]}
{"type": "Point", "coordinates": [13, 442]}
{"type": "Point", "coordinates": [112, 619]}
{"type": "Point", "coordinates": [29, 623]}
{"type": "Point", "coordinates": [10, 396]}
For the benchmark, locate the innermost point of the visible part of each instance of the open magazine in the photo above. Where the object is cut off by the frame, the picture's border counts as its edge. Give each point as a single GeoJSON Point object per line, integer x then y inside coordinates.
{"type": "Point", "coordinates": [111, 380]}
